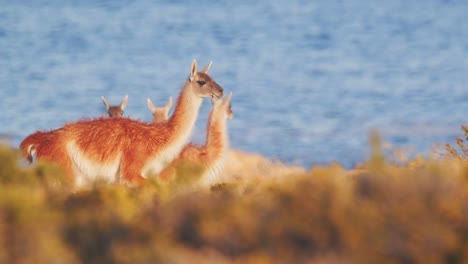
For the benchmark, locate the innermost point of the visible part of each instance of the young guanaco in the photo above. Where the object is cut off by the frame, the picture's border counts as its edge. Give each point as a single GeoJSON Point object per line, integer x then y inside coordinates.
{"type": "Point", "coordinates": [210, 156]}
{"type": "Point", "coordinates": [115, 110]}
{"type": "Point", "coordinates": [160, 114]}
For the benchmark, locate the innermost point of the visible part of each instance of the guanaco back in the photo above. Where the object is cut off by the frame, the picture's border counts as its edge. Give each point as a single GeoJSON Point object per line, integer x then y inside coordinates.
{"type": "Point", "coordinates": [29, 145]}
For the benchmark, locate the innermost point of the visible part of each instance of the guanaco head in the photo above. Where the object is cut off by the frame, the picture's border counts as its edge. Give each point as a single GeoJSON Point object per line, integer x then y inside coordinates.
{"type": "Point", "coordinates": [204, 85]}
{"type": "Point", "coordinates": [223, 107]}
{"type": "Point", "coordinates": [160, 114]}
{"type": "Point", "coordinates": [115, 110]}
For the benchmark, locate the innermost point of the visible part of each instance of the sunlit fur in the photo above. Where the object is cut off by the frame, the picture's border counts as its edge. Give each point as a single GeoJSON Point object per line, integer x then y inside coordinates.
{"type": "Point", "coordinates": [126, 150]}
{"type": "Point", "coordinates": [210, 156]}
{"type": "Point", "coordinates": [115, 110]}
{"type": "Point", "coordinates": [160, 114]}
{"type": "Point", "coordinates": [29, 144]}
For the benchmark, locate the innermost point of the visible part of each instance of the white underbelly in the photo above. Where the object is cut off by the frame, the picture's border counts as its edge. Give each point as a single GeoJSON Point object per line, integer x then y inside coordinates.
{"type": "Point", "coordinates": [89, 171]}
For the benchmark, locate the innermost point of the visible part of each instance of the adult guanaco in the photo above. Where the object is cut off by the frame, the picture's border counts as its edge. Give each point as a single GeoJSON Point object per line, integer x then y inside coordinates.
{"type": "Point", "coordinates": [126, 150]}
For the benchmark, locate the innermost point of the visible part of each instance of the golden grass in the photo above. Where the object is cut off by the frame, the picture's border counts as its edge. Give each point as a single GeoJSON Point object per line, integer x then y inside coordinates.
{"type": "Point", "coordinates": [262, 212]}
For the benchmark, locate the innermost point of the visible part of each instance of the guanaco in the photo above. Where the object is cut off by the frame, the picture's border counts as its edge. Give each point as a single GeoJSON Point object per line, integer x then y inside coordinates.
{"type": "Point", "coordinates": [29, 145]}
{"type": "Point", "coordinates": [115, 110]}
{"type": "Point", "coordinates": [123, 150]}
{"type": "Point", "coordinates": [210, 156]}
{"type": "Point", "coordinates": [160, 114]}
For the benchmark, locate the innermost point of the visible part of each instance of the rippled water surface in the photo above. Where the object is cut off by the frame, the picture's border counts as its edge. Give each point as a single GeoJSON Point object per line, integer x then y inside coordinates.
{"type": "Point", "coordinates": [310, 78]}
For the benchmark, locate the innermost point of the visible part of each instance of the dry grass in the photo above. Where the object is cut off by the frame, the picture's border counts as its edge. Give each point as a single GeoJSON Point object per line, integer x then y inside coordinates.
{"type": "Point", "coordinates": [462, 153]}
{"type": "Point", "coordinates": [263, 212]}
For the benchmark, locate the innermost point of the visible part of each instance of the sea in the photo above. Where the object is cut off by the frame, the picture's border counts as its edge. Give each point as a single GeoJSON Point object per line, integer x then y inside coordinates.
{"type": "Point", "coordinates": [311, 80]}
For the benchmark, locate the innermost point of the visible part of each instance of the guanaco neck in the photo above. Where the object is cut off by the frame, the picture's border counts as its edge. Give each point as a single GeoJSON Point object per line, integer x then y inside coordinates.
{"type": "Point", "coordinates": [216, 135]}
{"type": "Point", "coordinates": [185, 113]}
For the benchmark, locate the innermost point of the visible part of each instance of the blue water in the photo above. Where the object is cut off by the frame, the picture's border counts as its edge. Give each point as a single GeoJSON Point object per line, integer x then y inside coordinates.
{"type": "Point", "coordinates": [310, 78]}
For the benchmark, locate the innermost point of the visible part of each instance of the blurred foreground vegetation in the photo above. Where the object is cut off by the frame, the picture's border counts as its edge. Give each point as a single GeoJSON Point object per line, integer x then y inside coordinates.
{"type": "Point", "coordinates": [416, 212]}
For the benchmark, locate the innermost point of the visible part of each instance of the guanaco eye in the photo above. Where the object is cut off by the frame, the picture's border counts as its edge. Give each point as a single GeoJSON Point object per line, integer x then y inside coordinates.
{"type": "Point", "coordinates": [201, 82]}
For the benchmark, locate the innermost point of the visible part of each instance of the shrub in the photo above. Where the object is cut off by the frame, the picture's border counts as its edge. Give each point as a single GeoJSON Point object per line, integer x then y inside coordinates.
{"type": "Point", "coordinates": [381, 213]}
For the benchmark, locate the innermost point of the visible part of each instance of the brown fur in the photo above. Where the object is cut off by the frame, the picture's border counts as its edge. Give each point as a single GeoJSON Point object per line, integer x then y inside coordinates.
{"type": "Point", "coordinates": [28, 146]}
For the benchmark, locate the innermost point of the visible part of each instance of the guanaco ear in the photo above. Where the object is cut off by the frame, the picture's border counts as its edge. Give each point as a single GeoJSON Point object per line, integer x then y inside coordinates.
{"type": "Point", "coordinates": [105, 102]}
{"type": "Point", "coordinates": [151, 106]}
{"type": "Point", "coordinates": [227, 100]}
{"type": "Point", "coordinates": [124, 103]}
{"type": "Point", "coordinates": [207, 68]}
{"type": "Point", "coordinates": [169, 103]}
{"type": "Point", "coordinates": [193, 70]}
